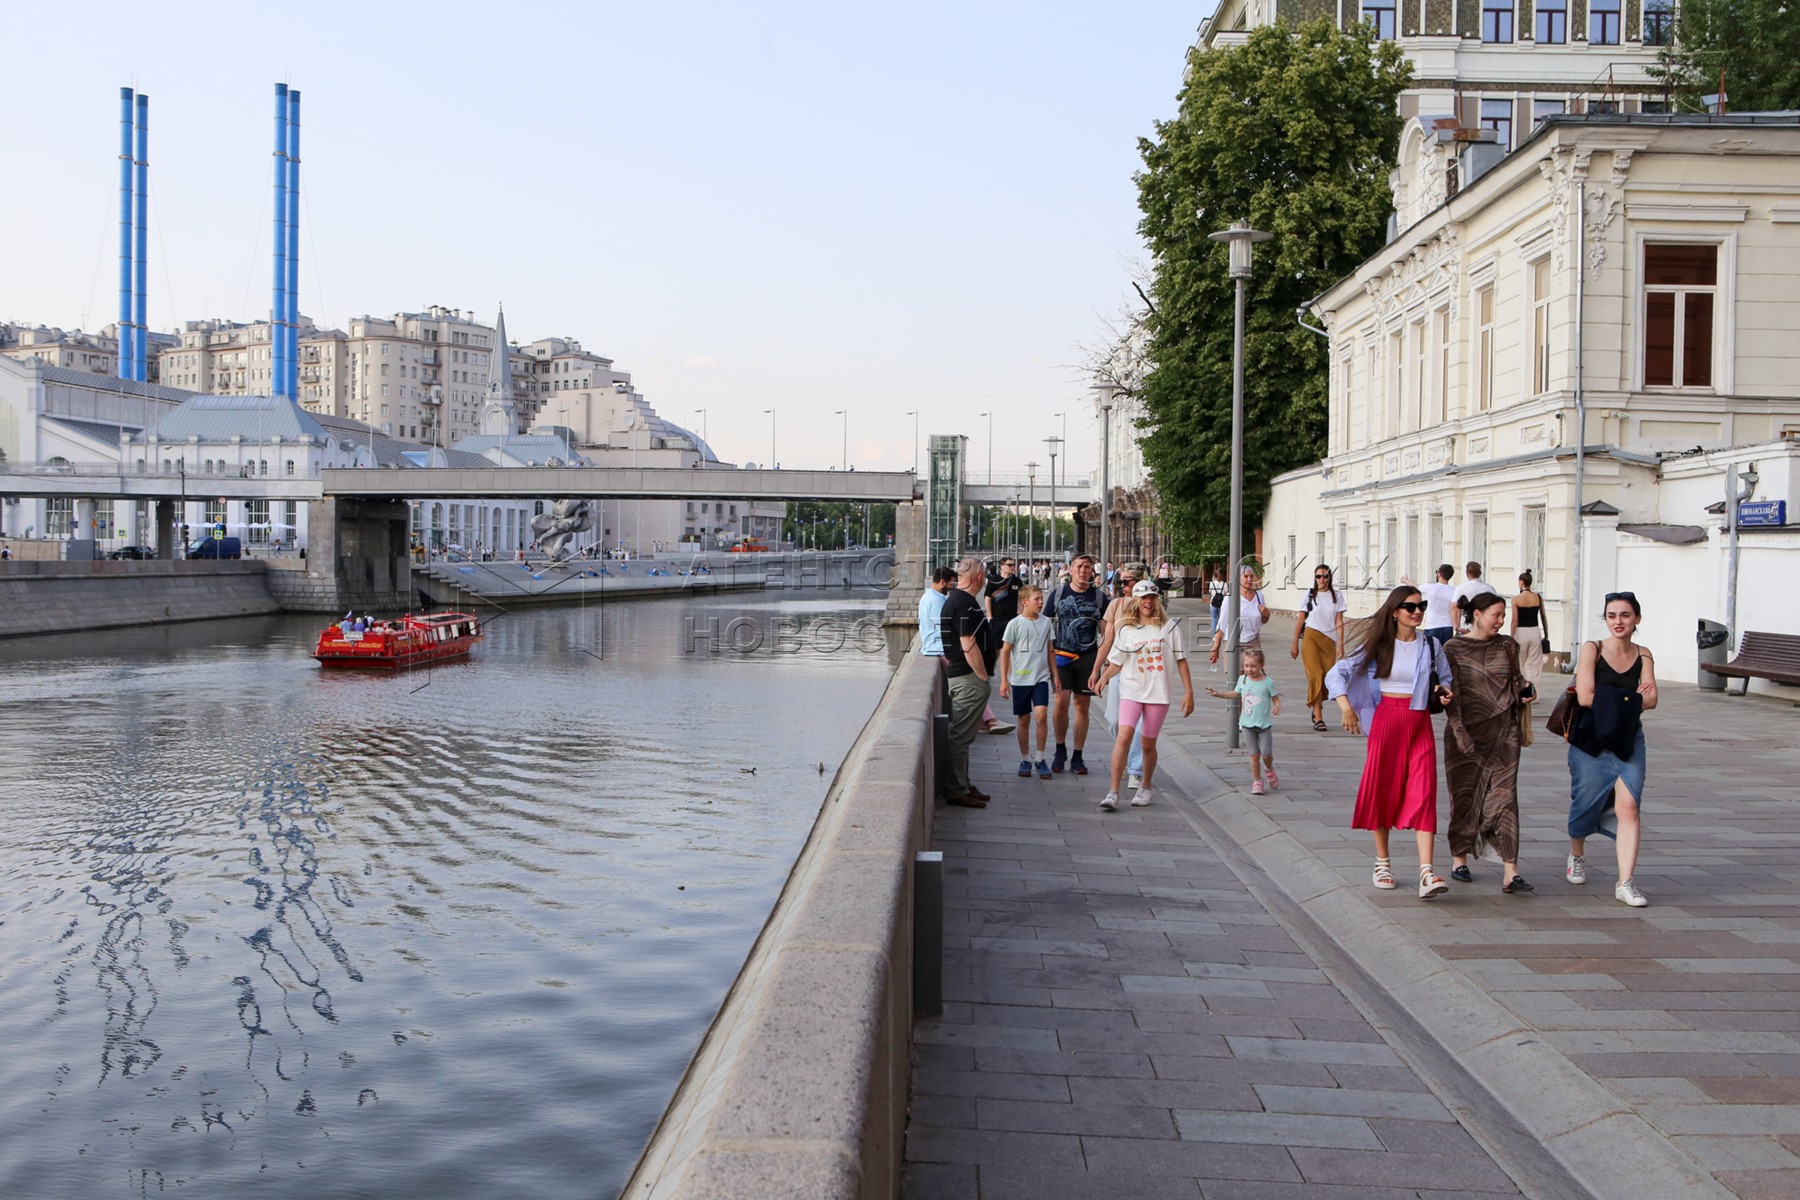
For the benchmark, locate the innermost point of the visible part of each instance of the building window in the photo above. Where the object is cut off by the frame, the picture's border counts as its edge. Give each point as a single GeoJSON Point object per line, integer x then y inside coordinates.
{"type": "Point", "coordinates": [1434, 540]}
{"type": "Point", "coordinates": [1440, 378]}
{"type": "Point", "coordinates": [1390, 537]}
{"type": "Point", "coordinates": [59, 516]}
{"type": "Point", "coordinates": [1497, 20]}
{"type": "Point", "coordinates": [1396, 383]}
{"type": "Point", "coordinates": [1541, 109]}
{"type": "Point", "coordinates": [1551, 21]}
{"type": "Point", "coordinates": [1680, 290]}
{"type": "Point", "coordinates": [1533, 541]}
{"type": "Point", "coordinates": [1497, 115]}
{"type": "Point", "coordinates": [1540, 326]}
{"type": "Point", "coordinates": [1484, 349]}
{"type": "Point", "coordinates": [1659, 23]}
{"type": "Point", "coordinates": [1478, 535]}
{"type": "Point", "coordinates": [1380, 13]}
{"type": "Point", "coordinates": [1603, 22]}
{"type": "Point", "coordinates": [1412, 546]}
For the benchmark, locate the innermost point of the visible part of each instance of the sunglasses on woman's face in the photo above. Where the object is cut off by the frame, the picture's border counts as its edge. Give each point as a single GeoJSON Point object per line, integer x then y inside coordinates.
{"type": "Point", "coordinates": [1411, 606]}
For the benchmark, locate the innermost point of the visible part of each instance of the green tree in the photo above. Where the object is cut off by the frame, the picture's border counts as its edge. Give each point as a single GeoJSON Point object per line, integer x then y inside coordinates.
{"type": "Point", "coordinates": [1295, 131]}
{"type": "Point", "coordinates": [1755, 43]}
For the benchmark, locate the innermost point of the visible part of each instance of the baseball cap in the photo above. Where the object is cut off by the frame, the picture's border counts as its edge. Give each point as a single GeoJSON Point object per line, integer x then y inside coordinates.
{"type": "Point", "coordinates": [1144, 588]}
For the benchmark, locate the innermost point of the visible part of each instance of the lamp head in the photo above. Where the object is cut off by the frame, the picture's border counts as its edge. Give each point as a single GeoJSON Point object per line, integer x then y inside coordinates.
{"type": "Point", "coordinates": [1240, 238]}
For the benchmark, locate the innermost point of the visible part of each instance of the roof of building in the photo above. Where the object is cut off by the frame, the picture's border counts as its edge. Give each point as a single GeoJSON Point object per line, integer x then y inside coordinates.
{"type": "Point", "coordinates": [221, 418]}
{"type": "Point", "coordinates": [106, 435]}
{"type": "Point", "coordinates": [532, 449]}
{"type": "Point", "coordinates": [391, 452]}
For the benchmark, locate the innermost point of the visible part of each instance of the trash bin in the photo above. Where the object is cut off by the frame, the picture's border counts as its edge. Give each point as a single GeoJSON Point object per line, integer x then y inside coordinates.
{"type": "Point", "coordinates": [1711, 640]}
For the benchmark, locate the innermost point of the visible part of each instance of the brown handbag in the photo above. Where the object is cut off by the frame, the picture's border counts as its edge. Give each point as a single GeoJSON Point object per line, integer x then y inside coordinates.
{"type": "Point", "coordinates": [1562, 717]}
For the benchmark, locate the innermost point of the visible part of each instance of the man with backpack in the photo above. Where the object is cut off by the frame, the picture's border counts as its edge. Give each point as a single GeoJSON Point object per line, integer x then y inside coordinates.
{"type": "Point", "coordinates": [1075, 611]}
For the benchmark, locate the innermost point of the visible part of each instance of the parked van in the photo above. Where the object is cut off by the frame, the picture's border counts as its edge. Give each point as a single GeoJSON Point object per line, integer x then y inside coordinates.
{"type": "Point", "coordinates": [228, 547]}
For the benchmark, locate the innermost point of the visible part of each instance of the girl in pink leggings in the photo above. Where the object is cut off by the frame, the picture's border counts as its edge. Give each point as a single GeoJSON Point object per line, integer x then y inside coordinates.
{"type": "Point", "coordinates": [1145, 644]}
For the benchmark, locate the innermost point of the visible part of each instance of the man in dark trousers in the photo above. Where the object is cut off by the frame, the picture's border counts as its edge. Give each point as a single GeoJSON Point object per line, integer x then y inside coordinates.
{"type": "Point", "coordinates": [1076, 609]}
{"type": "Point", "coordinates": [969, 666]}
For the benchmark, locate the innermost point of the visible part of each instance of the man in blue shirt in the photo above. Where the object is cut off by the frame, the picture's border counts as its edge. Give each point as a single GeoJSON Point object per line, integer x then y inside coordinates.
{"type": "Point", "coordinates": [931, 608]}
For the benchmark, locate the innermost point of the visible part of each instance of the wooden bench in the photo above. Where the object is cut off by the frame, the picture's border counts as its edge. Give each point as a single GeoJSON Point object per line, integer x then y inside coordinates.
{"type": "Point", "coordinates": [1772, 656]}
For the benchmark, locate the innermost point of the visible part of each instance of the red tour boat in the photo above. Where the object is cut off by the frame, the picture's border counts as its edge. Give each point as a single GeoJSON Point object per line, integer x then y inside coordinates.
{"type": "Point", "coordinates": [407, 642]}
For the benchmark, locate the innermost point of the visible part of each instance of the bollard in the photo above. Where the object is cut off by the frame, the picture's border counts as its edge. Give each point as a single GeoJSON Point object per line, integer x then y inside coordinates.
{"type": "Point", "coordinates": [940, 753]}
{"type": "Point", "coordinates": [928, 931]}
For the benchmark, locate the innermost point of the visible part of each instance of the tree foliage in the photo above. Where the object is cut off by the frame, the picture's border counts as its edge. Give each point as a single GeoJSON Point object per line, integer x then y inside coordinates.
{"type": "Point", "coordinates": [1755, 43]}
{"type": "Point", "coordinates": [1295, 131]}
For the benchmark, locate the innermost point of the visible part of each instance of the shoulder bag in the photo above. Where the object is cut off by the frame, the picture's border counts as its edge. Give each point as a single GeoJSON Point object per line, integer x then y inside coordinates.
{"type": "Point", "coordinates": [1562, 718]}
{"type": "Point", "coordinates": [1432, 703]}
{"type": "Point", "coordinates": [1543, 628]}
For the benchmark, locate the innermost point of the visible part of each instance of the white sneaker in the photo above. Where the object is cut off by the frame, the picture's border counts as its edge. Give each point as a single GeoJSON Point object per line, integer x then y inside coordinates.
{"type": "Point", "coordinates": [1627, 893]}
{"type": "Point", "coordinates": [1111, 802]}
{"type": "Point", "coordinates": [1576, 871]}
{"type": "Point", "coordinates": [1134, 781]}
{"type": "Point", "coordinates": [1142, 799]}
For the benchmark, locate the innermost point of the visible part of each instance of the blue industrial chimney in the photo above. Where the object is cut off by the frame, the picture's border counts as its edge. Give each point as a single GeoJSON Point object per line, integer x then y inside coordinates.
{"type": "Point", "coordinates": [127, 354]}
{"type": "Point", "coordinates": [140, 336]}
{"type": "Point", "coordinates": [278, 302]}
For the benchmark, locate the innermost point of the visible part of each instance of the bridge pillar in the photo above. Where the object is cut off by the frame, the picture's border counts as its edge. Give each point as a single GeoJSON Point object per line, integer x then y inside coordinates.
{"type": "Point", "coordinates": [912, 568]}
{"type": "Point", "coordinates": [357, 557]}
{"type": "Point", "coordinates": [166, 533]}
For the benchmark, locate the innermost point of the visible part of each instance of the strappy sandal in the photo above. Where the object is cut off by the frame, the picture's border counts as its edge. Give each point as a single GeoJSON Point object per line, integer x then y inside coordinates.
{"type": "Point", "coordinates": [1319, 724]}
{"type": "Point", "coordinates": [1384, 874]}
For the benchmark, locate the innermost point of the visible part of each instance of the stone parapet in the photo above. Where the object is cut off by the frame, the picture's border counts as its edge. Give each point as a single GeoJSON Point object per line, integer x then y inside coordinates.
{"type": "Point", "coordinates": [800, 1086]}
{"type": "Point", "coordinates": [70, 597]}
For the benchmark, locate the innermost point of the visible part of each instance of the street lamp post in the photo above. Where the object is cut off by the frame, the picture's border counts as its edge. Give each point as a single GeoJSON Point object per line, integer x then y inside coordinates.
{"type": "Point", "coordinates": [990, 416]}
{"type": "Point", "coordinates": [1107, 394]}
{"type": "Point", "coordinates": [845, 413]}
{"type": "Point", "coordinates": [1240, 238]}
{"type": "Point", "coordinates": [701, 413]}
{"type": "Point", "coordinates": [1031, 510]}
{"type": "Point", "coordinates": [771, 415]}
{"type": "Point", "coordinates": [914, 414]}
{"type": "Point", "coordinates": [1055, 444]}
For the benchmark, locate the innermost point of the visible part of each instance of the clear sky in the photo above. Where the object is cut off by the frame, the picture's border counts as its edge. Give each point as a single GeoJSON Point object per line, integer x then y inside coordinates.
{"type": "Point", "coordinates": [806, 206]}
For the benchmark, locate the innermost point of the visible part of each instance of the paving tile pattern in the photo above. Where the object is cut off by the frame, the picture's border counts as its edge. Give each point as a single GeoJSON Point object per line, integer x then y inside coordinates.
{"type": "Point", "coordinates": [1123, 1018]}
{"type": "Point", "coordinates": [1688, 1010]}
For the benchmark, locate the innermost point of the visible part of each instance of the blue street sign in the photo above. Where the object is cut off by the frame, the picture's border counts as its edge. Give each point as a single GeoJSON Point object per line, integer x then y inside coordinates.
{"type": "Point", "coordinates": [1762, 512]}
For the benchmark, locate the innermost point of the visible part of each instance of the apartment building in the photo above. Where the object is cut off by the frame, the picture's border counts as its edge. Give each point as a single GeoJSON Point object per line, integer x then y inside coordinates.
{"type": "Point", "coordinates": [1502, 65]}
{"type": "Point", "coordinates": [78, 351]}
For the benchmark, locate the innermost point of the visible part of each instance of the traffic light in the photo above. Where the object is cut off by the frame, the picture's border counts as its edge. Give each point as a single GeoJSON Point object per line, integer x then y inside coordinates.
{"type": "Point", "coordinates": [184, 532]}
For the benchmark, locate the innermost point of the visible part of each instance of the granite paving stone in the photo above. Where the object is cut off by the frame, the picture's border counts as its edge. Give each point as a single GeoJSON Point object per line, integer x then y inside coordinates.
{"type": "Point", "coordinates": [1115, 1002]}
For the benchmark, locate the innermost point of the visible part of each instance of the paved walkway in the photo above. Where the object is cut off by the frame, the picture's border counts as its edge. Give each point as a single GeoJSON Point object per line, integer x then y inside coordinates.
{"type": "Point", "coordinates": [1206, 998]}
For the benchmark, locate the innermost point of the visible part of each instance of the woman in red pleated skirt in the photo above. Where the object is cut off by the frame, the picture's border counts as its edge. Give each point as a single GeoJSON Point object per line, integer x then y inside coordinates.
{"type": "Point", "coordinates": [1387, 684]}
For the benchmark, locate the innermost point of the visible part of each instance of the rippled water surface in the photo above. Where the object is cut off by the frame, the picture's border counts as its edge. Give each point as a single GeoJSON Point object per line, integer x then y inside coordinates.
{"type": "Point", "coordinates": [267, 928]}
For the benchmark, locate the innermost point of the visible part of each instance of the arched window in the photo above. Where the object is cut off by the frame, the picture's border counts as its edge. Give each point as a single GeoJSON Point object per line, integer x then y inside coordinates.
{"type": "Point", "coordinates": [208, 465]}
{"type": "Point", "coordinates": [264, 465]}
{"type": "Point", "coordinates": [290, 467]}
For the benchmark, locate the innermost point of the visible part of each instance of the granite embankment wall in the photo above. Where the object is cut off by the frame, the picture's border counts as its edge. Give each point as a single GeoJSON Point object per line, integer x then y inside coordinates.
{"type": "Point", "coordinates": [67, 597]}
{"type": "Point", "coordinates": [800, 1086]}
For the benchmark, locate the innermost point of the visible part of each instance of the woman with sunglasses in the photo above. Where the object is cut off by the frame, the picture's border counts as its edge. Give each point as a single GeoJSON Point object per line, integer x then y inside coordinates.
{"type": "Point", "coordinates": [1386, 684]}
{"type": "Point", "coordinates": [1319, 637]}
{"type": "Point", "coordinates": [1615, 684]}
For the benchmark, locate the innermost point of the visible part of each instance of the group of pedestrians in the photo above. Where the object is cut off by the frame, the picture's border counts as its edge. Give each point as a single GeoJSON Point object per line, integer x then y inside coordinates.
{"type": "Point", "coordinates": [1409, 665]}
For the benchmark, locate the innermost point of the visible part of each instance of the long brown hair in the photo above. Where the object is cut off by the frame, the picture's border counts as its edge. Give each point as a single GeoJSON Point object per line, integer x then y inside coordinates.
{"type": "Point", "coordinates": [1378, 645]}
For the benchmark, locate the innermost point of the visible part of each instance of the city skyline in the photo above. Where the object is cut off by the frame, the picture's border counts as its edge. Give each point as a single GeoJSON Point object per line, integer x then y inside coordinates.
{"type": "Point", "coordinates": [801, 210]}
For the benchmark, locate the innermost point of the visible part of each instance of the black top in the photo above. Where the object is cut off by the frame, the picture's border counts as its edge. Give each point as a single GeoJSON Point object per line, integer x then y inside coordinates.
{"type": "Point", "coordinates": [1613, 721]}
{"type": "Point", "coordinates": [1528, 615]}
{"type": "Point", "coordinates": [962, 617]}
{"type": "Point", "coordinates": [1003, 600]}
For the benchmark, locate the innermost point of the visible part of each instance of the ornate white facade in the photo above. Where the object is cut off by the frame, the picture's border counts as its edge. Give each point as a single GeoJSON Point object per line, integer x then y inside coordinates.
{"type": "Point", "coordinates": [1670, 247]}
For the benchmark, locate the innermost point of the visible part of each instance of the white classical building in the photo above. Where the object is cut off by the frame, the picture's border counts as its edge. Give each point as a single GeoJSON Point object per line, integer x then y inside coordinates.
{"type": "Point", "coordinates": [1665, 248]}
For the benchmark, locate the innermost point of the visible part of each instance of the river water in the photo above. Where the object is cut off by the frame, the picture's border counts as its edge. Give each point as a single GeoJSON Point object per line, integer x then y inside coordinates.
{"type": "Point", "coordinates": [270, 929]}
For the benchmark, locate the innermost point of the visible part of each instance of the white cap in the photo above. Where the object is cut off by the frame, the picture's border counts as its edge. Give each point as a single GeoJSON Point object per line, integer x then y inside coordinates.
{"type": "Point", "coordinates": [1145, 587]}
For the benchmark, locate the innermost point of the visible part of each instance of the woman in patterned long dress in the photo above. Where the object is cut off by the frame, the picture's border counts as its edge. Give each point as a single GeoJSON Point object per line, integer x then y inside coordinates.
{"type": "Point", "coordinates": [1481, 744]}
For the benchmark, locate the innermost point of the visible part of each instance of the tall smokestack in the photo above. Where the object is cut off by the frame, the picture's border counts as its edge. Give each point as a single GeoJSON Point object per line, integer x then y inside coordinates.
{"type": "Point", "coordinates": [278, 302]}
{"type": "Point", "coordinates": [140, 336]}
{"type": "Point", "coordinates": [292, 380]}
{"type": "Point", "coordinates": [126, 354]}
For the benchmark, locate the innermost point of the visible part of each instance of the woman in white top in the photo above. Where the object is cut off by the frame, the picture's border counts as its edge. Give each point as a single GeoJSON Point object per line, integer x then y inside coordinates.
{"type": "Point", "coordinates": [1144, 644]}
{"type": "Point", "coordinates": [1253, 610]}
{"type": "Point", "coordinates": [1319, 631]}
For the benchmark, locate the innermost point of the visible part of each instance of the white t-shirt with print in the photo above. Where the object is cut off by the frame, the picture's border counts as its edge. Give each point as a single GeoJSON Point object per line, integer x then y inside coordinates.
{"type": "Point", "coordinates": [1147, 655]}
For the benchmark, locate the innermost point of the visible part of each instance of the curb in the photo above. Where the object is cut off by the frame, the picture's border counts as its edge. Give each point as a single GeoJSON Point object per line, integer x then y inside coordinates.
{"type": "Point", "coordinates": [1549, 1124]}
